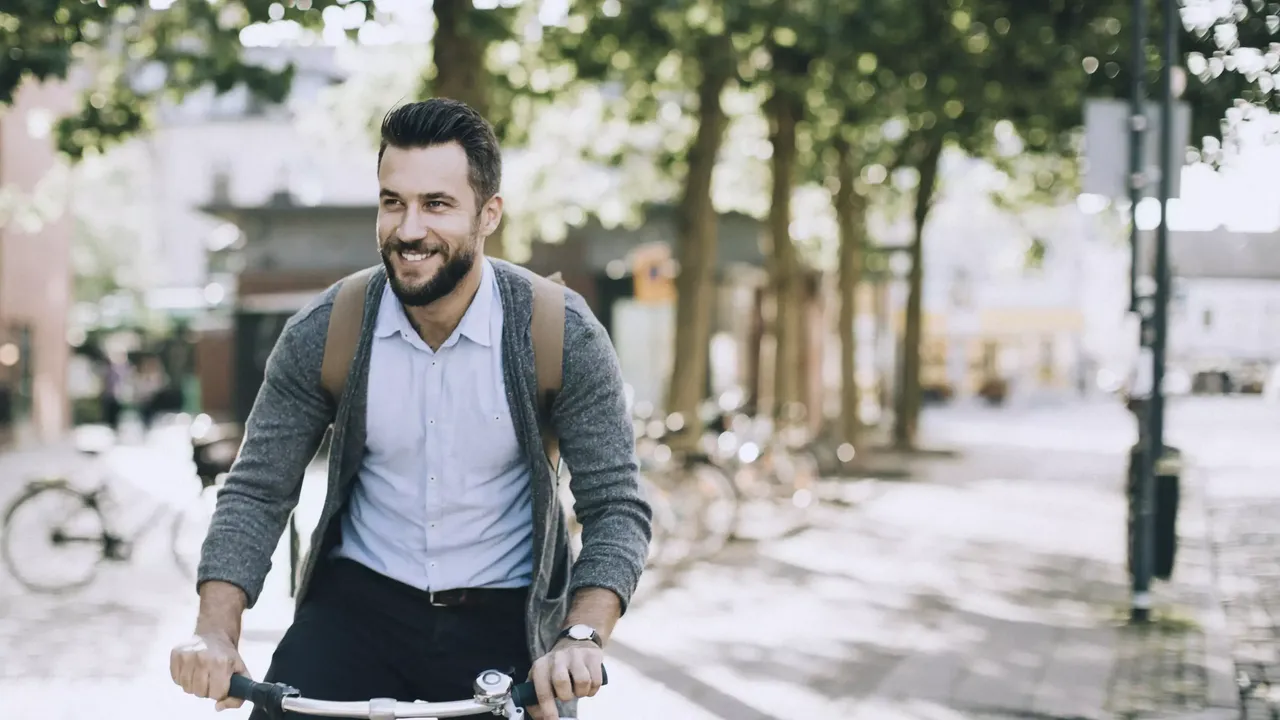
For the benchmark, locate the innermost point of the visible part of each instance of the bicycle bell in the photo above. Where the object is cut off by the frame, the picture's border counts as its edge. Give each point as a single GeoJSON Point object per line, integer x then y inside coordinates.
{"type": "Point", "coordinates": [492, 686]}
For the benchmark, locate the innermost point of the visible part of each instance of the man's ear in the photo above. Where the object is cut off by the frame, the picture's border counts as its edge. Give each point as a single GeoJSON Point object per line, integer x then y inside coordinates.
{"type": "Point", "coordinates": [491, 216]}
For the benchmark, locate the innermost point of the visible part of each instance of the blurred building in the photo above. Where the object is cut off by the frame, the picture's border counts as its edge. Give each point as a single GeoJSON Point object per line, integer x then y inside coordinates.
{"type": "Point", "coordinates": [1023, 305]}
{"type": "Point", "coordinates": [286, 253]}
{"type": "Point", "coordinates": [1224, 316]}
{"type": "Point", "coordinates": [212, 155]}
{"type": "Point", "coordinates": [35, 273]}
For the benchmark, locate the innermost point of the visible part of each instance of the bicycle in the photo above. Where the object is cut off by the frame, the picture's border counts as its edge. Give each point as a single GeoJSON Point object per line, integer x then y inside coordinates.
{"type": "Point", "coordinates": [80, 531]}
{"type": "Point", "coordinates": [495, 694]}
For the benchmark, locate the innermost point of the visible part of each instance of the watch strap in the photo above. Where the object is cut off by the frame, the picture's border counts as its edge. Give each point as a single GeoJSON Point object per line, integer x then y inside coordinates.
{"type": "Point", "coordinates": [594, 637]}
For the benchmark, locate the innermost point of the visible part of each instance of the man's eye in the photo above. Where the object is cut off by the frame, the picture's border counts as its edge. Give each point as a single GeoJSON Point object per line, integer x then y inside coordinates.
{"type": "Point", "coordinates": [435, 204]}
{"type": "Point", "coordinates": [391, 203]}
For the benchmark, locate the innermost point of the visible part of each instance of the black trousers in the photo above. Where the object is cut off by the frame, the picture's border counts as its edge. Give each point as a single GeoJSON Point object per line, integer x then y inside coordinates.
{"type": "Point", "coordinates": [361, 635]}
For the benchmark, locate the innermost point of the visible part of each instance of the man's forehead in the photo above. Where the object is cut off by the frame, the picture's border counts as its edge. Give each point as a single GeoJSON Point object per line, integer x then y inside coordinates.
{"type": "Point", "coordinates": [435, 164]}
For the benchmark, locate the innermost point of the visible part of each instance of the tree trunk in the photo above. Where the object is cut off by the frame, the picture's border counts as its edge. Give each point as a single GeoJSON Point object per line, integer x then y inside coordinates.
{"type": "Point", "coordinates": [908, 411]}
{"type": "Point", "coordinates": [850, 209]}
{"type": "Point", "coordinates": [784, 110]}
{"type": "Point", "coordinates": [696, 240]}
{"type": "Point", "coordinates": [458, 55]}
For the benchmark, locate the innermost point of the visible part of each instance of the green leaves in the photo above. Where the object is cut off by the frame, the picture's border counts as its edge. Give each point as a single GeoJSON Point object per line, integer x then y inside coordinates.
{"type": "Point", "coordinates": [145, 52]}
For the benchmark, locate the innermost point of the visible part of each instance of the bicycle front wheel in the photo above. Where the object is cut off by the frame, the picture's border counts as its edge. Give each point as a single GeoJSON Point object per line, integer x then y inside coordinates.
{"type": "Point", "coordinates": [54, 538]}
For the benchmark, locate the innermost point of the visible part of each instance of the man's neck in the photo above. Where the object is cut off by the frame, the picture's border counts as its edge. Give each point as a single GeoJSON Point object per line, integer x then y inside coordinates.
{"type": "Point", "coordinates": [437, 321]}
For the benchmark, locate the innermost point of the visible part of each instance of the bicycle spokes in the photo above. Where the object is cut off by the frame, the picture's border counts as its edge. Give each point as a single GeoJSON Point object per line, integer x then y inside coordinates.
{"type": "Point", "coordinates": [54, 539]}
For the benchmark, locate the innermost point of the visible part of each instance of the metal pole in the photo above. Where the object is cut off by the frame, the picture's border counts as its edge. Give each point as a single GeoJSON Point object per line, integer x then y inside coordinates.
{"type": "Point", "coordinates": [1160, 323]}
{"type": "Point", "coordinates": [1137, 132]}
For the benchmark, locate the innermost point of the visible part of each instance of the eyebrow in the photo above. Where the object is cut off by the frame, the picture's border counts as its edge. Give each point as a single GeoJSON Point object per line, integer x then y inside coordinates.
{"type": "Point", "coordinates": [385, 193]}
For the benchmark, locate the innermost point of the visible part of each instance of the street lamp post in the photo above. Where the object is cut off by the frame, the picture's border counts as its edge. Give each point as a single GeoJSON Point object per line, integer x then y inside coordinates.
{"type": "Point", "coordinates": [1137, 131]}
{"type": "Point", "coordinates": [1154, 435]}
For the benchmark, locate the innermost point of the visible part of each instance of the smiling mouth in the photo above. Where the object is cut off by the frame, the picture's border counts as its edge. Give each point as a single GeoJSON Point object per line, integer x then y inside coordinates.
{"type": "Point", "coordinates": [416, 256]}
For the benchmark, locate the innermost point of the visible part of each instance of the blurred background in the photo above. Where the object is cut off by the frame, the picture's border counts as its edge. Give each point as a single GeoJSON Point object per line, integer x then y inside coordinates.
{"type": "Point", "coordinates": [890, 283]}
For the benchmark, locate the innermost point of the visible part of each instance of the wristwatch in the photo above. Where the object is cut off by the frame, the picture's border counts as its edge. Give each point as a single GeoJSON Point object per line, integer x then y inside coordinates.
{"type": "Point", "coordinates": [581, 633]}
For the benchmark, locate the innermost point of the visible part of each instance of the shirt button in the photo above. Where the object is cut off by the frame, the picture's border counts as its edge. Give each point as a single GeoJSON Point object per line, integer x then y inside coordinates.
{"type": "Point", "coordinates": [432, 564]}
{"type": "Point", "coordinates": [432, 478]}
{"type": "Point", "coordinates": [431, 422]}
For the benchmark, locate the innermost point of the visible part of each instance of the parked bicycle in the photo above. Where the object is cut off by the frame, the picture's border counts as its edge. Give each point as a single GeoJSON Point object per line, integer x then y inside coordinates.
{"type": "Point", "coordinates": [59, 531]}
{"type": "Point", "coordinates": [496, 693]}
{"type": "Point", "coordinates": [747, 478]}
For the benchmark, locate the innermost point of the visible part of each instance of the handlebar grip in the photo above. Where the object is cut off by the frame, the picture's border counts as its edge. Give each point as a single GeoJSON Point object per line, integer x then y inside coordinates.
{"type": "Point", "coordinates": [526, 695]}
{"type": "Point", "coordinates": [268, 696]}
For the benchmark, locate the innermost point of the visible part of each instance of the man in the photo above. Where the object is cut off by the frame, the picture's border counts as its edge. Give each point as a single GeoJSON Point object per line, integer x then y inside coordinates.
{"type": "Point", "coordinates": [441, 550]}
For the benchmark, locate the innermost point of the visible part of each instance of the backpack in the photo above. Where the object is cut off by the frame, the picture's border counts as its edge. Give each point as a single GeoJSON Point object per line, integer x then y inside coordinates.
{"type": "Point", "coordinates": [547, 328]}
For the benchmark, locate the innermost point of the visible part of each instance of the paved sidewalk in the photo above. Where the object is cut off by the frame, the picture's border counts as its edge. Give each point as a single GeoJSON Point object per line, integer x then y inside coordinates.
{"type": "Point", "coordinates": [993, 590]}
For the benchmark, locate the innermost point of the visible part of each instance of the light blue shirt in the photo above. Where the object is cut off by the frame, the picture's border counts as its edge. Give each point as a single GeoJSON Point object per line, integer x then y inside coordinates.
{"type": "Point", "coordinates": [443, 498]}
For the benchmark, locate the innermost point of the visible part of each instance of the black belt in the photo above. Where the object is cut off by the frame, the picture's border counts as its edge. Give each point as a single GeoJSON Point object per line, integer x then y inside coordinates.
{"type": "Point", "coordinates": [457, 597]}
{"type": "Point", "coordinates": [474, 597]}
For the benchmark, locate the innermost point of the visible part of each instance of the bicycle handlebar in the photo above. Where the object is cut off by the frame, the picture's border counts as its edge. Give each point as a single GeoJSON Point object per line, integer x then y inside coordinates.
{"type": "Point", "coordinates": [526, 695]}
{"type": "Point", "coordinates": [277, 698]}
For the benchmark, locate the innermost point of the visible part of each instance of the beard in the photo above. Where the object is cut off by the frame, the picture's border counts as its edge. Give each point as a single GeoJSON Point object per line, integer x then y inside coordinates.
{"type": "Point", "coordinates": [455, 267]}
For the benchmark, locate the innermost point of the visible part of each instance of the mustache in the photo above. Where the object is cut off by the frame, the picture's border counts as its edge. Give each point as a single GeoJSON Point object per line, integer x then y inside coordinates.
{"type": "Point", "coordinates": [418, 246]}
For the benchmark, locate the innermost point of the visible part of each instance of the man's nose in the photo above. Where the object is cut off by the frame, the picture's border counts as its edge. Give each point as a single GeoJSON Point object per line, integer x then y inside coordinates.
{"type": "Point", "coordinates": [412, 227]}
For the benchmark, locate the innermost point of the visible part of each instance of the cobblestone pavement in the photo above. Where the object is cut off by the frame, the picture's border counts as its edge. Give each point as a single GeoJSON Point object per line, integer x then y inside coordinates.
{"type": "Point", "coordinates": [1232, 441]}
{"type": "Point", "coordinates": [1245, 520]}
{"type": "Point", "coordinates": [988, 587]}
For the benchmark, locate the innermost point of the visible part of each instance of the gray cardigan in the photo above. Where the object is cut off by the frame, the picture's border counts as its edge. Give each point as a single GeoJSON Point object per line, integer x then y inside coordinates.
{"type": "Point", "coordinates": [291, 413]}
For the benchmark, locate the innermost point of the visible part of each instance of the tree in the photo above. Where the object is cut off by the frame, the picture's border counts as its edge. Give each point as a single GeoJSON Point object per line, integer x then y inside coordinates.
{"type": "Point", "coordinates": [785, 109]}
{"type": "Point", "coordinates": [664, 58]}
{"type": "Point", "coordinates": [980, 63]}
{"type": "Point", "coordinates": [842, 131]}
{"type": "Point", "coordinates": [459, 69]}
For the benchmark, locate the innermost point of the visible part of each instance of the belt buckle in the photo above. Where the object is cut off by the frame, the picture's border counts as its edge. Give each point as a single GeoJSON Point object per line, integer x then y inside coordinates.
{"type": "Point", "coordinates": [431, 599]}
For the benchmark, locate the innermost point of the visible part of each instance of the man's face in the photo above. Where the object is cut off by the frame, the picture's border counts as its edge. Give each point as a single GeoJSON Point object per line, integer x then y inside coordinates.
{"type": "Point", "coordinates": [429, 228]}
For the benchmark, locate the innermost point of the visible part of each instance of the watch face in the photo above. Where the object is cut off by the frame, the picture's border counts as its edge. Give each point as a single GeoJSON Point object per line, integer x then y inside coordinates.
{"type": "Point", "coordinates": [580, 632]}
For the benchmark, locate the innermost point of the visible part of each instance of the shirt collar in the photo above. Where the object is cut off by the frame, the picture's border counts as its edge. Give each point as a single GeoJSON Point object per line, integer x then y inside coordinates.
{"type": "Point", "coordinates": [475, 321]}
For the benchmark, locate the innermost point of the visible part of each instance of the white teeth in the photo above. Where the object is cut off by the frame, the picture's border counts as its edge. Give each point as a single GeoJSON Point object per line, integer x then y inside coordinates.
{"type": "Point", "coordinates": [413, 257]}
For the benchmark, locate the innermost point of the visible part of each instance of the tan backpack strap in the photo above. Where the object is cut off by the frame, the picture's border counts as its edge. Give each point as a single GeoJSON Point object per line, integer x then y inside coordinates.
{"type": "Point", "coordinates": [548, 356]}
{"type": "Point", "coordinates": [345, 320]}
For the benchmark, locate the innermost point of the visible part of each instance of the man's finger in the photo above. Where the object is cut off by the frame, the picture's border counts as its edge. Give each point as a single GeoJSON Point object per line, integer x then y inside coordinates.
{"type": "Point", "coordinates": [541, 674]}
{"type": "Point", "coordinates": [220, 679]}
{"type": "Point", "coordinates": [596, 666]}
{"type": "Point", "coordinates": [230, 703]}
{"type": "Point", "coordinates": [560, 678]}
{"type": "Point", "coordinates": [581, 674]}
{"type": "Point", "coordinates": [200, 683]}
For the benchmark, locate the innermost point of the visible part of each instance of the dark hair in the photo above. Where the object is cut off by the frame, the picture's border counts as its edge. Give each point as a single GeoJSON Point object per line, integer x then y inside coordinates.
{"type": "Point", "coordinates": [440, 121]}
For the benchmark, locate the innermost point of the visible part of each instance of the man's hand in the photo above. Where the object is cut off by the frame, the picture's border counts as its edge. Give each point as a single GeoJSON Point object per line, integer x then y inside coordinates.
{"type": "Point", "coordinates": [203, 666]}
{"type": "Point", "coordinates": [571, 670]}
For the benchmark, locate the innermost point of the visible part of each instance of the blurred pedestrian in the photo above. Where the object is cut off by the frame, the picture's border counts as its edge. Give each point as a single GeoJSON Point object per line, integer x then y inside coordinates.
{"type": "Point", "coordinates": [150, 384]}
{"type": "Point", "coordinates": [116, 378]}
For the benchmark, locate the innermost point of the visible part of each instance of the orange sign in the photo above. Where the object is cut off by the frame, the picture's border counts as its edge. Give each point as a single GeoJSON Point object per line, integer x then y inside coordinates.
{"type": "Point", "coordinates": [652, 274]}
